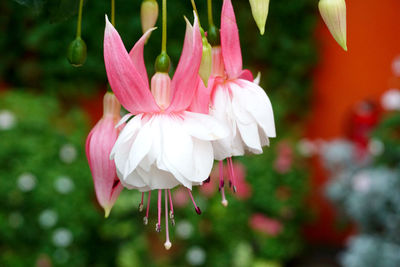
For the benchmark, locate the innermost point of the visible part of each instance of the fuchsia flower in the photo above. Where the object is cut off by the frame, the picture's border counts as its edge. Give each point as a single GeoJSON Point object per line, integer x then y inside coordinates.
{"type": "Point", "coordinates": [164, 145]}
{"type": "Point", "coordinates": [98, 147]}
{"type": "Point", "coordinates": [236, 100]}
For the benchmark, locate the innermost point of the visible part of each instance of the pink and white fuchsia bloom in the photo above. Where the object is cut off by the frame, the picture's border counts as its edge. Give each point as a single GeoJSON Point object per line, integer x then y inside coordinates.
{"type": "Point", "coordinates": [99, 143]}
{"type": "Point", "coordinates": [236, 100]}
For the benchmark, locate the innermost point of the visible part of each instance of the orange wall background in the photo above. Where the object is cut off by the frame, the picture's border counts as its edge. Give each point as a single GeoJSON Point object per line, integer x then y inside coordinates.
{"type": "Point", "coordinates": [342, 79]}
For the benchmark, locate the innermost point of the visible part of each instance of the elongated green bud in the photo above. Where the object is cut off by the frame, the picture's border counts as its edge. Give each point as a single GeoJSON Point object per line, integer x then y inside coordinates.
{"type": "Point", "coordinates": [206, 60]}
{"type": "Point", "coordinates": [148, 14]}
{"type": "Point", "coordinates": [77, 52]}
{"type": "Point", "coordinates": [260, 8]}
{"type": "Point", "coordinates": [333, 13]}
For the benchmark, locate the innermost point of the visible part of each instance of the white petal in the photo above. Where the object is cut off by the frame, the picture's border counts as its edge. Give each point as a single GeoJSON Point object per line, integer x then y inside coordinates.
{"type": "Point", "coordinates": [140, 147]}
{"type": "Point", "coordinates": [204, 127]}
{"type": "Point", "coordinates": [249, 134]}
{"type": "Point", "coordinates": [123, 119]}
{"type": "Point", "coordinates": [203, 160]}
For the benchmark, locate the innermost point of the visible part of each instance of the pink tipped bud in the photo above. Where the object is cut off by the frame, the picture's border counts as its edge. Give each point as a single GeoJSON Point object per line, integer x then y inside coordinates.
{"type": "Point", "coordinates": [218, 68]}
{"type": "Point", "coordinates": [148, 14]}
{"type": "Point", "coordinates": [98, 148]}
{"type": "Point", "coordinates": [333, 13]}
{"type": "Point", "coordinates": [161, 89]}
{"type": "Point", "coordinates": [259, 9]}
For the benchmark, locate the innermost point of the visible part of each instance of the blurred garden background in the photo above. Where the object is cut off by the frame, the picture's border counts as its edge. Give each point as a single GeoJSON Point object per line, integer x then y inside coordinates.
{"type": "Point", "coordinates": [326, 192]}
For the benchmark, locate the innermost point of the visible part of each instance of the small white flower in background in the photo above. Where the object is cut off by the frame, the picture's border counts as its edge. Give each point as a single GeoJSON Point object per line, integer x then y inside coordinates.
{"type": "Point", "coordinates": [361, 182]}
{"type": "Point", "coordinates": [68, 153]}
{"type": "Point", "coordinates": [391, 99]}
{"type": "Point", "coordinates": [62, 237]}
{"type": "Point", "coordinates": [64, 185]}
{"type": "Point", "coordinates": [26, 182]}
{"type": "Point", "coordinates": [15, 219]}
{"type": "Point", "coordinates": [61, 256]}
{"type": "Point", "coordinates": [196, 256]}
{"type": "Point", "coordinates": [184, 229]}
{"type": "Point", "coordinates": [7, 120]}
{"type": "Point", "coordinates": [376, 147]}
{"type": "Point", "coordinates": [48, 218]}
{"type": "Point", "coordinates": [396, 66]}
{"type": "Point", "coordinates": [306, 147]}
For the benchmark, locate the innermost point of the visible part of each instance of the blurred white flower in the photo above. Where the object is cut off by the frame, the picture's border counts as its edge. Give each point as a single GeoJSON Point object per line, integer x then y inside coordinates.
{"type": "Point", "coordinates": [48, 218]}
{"type": "Point", "coordinates": [376, 147]}
{"type": "Point", "coordinates": [196, 256]}
{"type": "Point", "coordinates": [26, 182]}
{"type": "Point", "coordinates": [391, 99]}
{"type": "Point", "coordinates": [68, 153]}
{"type": "Point", "coordinates": [64, 185]}
{"type": "Point", "coordinates": [7, 120]}
{"type": "Point", "coordinates": [361, 182]}
{"type": "Point", "coordinates": [62, 237]}
{"type": "Point", "coordinates": [15, 219]}
{"type": "Point", "coordinates": [184, 229]}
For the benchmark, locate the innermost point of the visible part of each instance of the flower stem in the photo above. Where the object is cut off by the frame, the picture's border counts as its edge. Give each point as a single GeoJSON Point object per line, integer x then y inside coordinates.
{"type": "Point", "coordinates": [79, 26]}
{"type": "Point", "coordinates": [164, 26]}
{"type": "Point", "coordinates": [195, 11]}
{"type": "Point", "coordinates": [113, 12]}
{"type": "Point", "coordinates": [210, 17]}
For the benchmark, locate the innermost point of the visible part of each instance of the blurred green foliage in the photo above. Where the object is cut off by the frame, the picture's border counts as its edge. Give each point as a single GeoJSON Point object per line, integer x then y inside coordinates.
{"type": "Point", "coordinates": [35, 56]}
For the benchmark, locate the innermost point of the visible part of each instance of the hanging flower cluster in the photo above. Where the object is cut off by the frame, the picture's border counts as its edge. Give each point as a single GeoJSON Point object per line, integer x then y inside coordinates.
{"type": "Point", "coordinates": [211, 109]}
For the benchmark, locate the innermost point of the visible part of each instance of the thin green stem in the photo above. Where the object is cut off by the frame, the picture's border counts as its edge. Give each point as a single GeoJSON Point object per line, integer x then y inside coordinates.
{"type": "Point", "coordinates": [210, 17]}
{"type": "Point", "coordinates": [79, 26]}
{"type": "Point", "coordinates": [113, 12]}
{"type": "Point", "coordinates": [195, 11]}
{"type": "Point", "coordinates": [164, 26]}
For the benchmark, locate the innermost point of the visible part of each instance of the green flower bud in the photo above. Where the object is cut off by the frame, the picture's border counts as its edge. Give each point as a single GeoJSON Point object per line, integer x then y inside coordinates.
{"type": "Point", "coordinates": [77, 52]}
{"type": "Point", "coordinates": [259, 9]}
{"type": "Point", "coordinates": [213, 35]}
{"type": "Point", "coordinates": [333, 13]}
{"type": "Point", "coordinates": [148, 14]}
{"type": "Point", "coordinates": [206, 62]}
{"type": "Point", "coordinates": [162, 63]}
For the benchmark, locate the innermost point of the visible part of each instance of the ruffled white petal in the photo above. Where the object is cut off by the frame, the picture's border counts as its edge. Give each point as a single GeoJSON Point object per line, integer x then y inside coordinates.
{"type": "Point", "coordinates": [246, 109]}
{"type": "Point", "coordinates": [165, 150]}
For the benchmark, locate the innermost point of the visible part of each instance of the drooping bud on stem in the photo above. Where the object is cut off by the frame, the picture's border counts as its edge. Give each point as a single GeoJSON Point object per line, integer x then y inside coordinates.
{"type": "Point", "coordinates": [77, 52]}
{"type": "Point", "coordinates": [259, 9]}
{"type": "Point", "coordinates": [333, 13]}
{"type": "Point", "coordinates": [161, 89]}
{"type": "Point", "coordinates": [148, 14]}
{"type": "Point", "coordinates": [206, 60]}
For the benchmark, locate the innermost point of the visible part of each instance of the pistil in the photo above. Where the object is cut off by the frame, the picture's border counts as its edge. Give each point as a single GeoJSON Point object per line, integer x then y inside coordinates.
{"type": "Point", "coordinates": [158, 225]}
{"type": "Point", "coordinates": [167, 243]}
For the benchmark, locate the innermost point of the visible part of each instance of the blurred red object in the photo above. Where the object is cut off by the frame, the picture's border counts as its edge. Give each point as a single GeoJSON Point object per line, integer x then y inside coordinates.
{"type": "Point", "coordinates": [264, 224]}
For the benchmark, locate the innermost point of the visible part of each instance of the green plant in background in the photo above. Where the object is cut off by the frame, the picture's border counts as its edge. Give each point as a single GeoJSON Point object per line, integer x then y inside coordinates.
{"type": "Point", "coordinates": [285, 56]}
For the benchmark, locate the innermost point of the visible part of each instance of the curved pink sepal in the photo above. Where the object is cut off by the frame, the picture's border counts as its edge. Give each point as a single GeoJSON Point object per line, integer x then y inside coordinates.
{"type": "Point", "coordinates": [246, 75]}
{"type": "Point", "coordinates": [184, 82]}
{"type": "Point", "coordinates": [99, 143]}
{"type": "Point", "coordinates": [230, 43]}
{"type": "Point", "coordinates": [201, 99]}
{"type": "Point", "coordinates": [136, 55]}
{"type": "Point", "coordinates": [125, 80]}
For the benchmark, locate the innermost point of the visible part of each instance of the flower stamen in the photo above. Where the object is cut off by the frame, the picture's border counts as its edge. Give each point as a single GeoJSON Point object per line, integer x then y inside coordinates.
{"type": "Point", "coordinates": [221, 183]}
{"type": "Point", "coordinates": [167, 243]}
{"type": "Point", "coordinates": [171, 206]}
{"type": "Point", "coordinates": [198, 211]}
{"type": "Point", "coordinates": [146, 218]}
{"type": "Point", "coordinates": [158, 225]}
{"type": "Point", "coordinates": [141, 203]}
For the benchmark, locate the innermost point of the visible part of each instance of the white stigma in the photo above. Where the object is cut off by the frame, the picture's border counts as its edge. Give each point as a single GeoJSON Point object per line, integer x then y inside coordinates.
{"type": "Point", "coordinates": [167, 245]}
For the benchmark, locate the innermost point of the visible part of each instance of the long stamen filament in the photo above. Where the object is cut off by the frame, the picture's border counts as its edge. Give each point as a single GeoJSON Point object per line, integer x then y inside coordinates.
{"type": "Point", "coordinates": [146, 218]}
{"type": "Point", "coordinates": [158, 225]}
{"type": "Point", "coordinates": [232, 174]}
{"type": "Point", "coordinates": [167, 243]}
{"type": "Point", "coordinates": [171, 206]}
{"type": "Point", "coordinates": [221, 183]}
{"type": "Point", "coordinates": [79, 25]}
{"type": "Point", "coordinates": [141, 203]}
{"type": "Point", "coordinates": [164, 26]}
{"type": "Point", "coordinates": [194, 203]}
